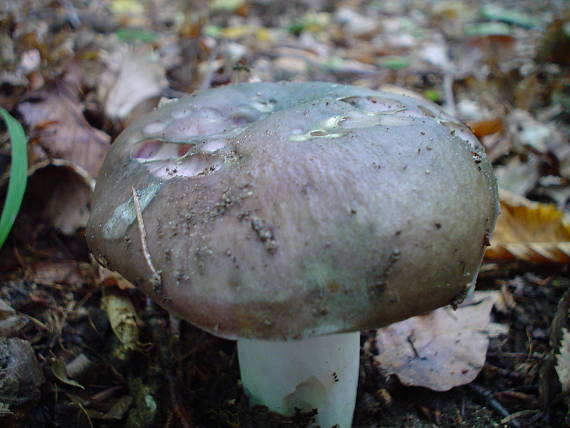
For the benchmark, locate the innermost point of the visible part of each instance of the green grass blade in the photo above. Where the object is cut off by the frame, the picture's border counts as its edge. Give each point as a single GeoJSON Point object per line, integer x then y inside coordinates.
{"type": "Point", "coordinates": [18, 175]}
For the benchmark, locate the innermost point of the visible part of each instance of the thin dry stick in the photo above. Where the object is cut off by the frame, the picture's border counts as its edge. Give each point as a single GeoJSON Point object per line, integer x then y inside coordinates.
{"type": "Point", "coordinates": [498, 407]}
{"type": "Point", "coordinates": [518, 415]}
{"type": "Point", "coordinates": [156, 280]}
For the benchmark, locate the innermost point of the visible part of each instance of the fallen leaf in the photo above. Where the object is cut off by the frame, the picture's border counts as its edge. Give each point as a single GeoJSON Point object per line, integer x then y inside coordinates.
{"type": "Point", "coordinates": [119, 409]}
{"type": "Point", "coordinates": [529, 231]}
{"type": "Point", "coordinates": [503, 300]}
{"type": "Point", "coordinates": [11, 322]}
{"type": "Point", "coordinates": [127, 6]}
{"type": "Point", "coordinates": [109, 278]}
{"type": "Point", "coordinates": [518, 176]}
{"type": "Point", "coordinates": [442, 349]}
{"type": "Point", "coordinates": [60, 194]}
{"type": "Point", "coordinates": [69, 272]}
{"type": "Point", "coordinates": [58, 129]}
{"type": "Point", "coordinates": [354, 23]}
{"type": "Point", "coordinates": [59, 371]}
{"type": "Point", "coordinates": [482, 128]}
{"type": "Point", "coordinates": [132, 77]}
{"type": "Point", "coordinates": [123, 318]}
{"type": "Point", "coordinates": [528, 133]}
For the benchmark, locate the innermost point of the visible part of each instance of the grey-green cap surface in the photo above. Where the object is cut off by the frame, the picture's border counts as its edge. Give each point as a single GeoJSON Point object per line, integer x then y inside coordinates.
{"type": "Point", "coordinates": [289, 210]}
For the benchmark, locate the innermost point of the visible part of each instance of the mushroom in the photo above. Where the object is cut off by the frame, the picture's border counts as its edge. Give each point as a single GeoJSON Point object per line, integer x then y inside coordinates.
{"type": "Point", "coordinates": [291, 216]}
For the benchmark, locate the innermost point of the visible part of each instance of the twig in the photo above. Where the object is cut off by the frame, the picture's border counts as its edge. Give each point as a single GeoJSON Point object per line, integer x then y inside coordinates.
{"type": "Point", "coordinates": [156, 280]}
{"type": "Point", "coordinates": [208, 75]}
{"type": "Point", "coordinates": [449, 102]}
{"type": "Point", "coordinates": [498, 407]}
{"type": "Point", "coordinates": [503, 372]}
{"type": "Point", "coordinates": [510, 418]}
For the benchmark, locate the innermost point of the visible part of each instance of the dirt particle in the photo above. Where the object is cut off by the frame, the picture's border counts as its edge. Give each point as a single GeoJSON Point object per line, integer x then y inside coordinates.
{"type": "Point", "coordinates": [264, 233]}
{"type": "Point", "coordinates": [333, 287]}
{"type": "Point", "coordinates": [379, 286]}
{"type": "Point", "coordinates": [320, 311]}
{"type": "Point", "coordinates": [486, 239]}
{"type": "Point", "coordinates": [476, 157]}
{"type": "Point", "coordinates": [426, 111]}
{"type": "Point", "coordinates": [392, 260]}
{"type": "Point", "coordinates": [459, 298]}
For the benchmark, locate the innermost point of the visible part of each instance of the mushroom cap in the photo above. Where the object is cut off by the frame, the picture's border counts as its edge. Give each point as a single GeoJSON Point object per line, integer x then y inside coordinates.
{"type": "Point", "coordinates": [290, 210]}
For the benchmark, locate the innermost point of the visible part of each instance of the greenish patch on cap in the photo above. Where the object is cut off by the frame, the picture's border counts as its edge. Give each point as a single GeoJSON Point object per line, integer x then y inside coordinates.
{"type": "Point", "coordinates": [125, 214]}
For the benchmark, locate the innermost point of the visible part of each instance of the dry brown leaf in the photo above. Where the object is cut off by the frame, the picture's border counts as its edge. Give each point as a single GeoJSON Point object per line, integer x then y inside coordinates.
{"type": "Point", "coordinates": [50, 272]}
{"type": "Point", "coordinates": [442, 349]}
{"type": "Point", "coordinates": [60, 131]}
{"type": "Point", "coordinates": [482, 128]}
{"type": "Point", "coordinates": [530, 231]}
{"type": "Point", "coordinates": [109, 278]}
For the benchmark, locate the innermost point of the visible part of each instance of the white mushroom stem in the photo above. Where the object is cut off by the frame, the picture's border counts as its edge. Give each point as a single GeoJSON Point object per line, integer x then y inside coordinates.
{"type": "Point", "coordinates": [319, 373]}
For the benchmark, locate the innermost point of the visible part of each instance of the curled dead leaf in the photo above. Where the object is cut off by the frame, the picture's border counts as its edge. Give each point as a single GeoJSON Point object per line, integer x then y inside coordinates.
{"type": "Point", "coordinates": [59, 371]}
{"type": "Point", "coordinates": [123, 318]}
{"type": "Point", "coordinates": [58, 129]}
{"type": "Point", "coordinates": [109, 278]}
{"type": "Point", "coordinates": [529, 231]}
{"type": "Point", "coordinates": [60, 193]}
{"type": "Point", "coordinates": [442, 349]}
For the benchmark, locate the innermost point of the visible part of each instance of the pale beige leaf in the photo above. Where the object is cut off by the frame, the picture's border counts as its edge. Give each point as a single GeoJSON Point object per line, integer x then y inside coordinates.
{"type": "Point", "coordinates": [62, 195]}
{"type": "Point", "coordinates": [442, 349]}
{"type": "Point", "coordinates": [530, 231]}
{"type": "Point", "coordinates": [123, 317]}
{"type": "Point", "coordinates": [132, 77]}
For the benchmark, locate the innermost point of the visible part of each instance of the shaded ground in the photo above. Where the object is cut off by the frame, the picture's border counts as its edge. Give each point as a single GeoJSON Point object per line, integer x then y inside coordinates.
{"type": "Point", "coordinates": [76, 73]}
